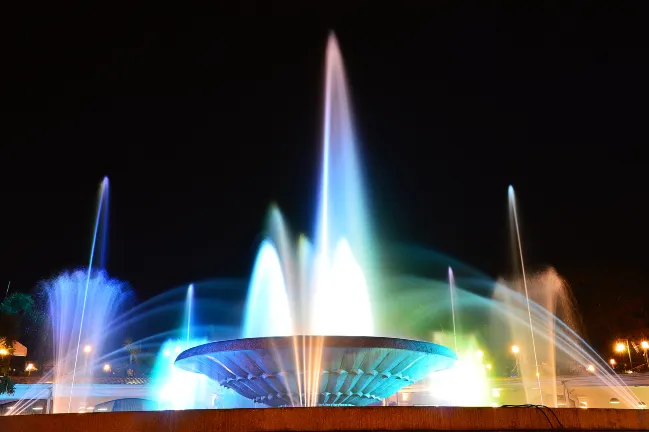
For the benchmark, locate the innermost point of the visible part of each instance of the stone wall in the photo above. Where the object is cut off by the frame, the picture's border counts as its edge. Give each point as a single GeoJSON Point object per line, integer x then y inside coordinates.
{"type": "Point", "coordinates": [336, 419]}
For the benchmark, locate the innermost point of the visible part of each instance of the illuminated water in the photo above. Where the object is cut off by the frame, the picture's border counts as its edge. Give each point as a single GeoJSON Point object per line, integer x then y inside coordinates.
{"type": "Point", "coordinates": [189, 309]}
{"type": "Point", "coordinates": [324, 289]}
{"type": "Point", "coordinates": [176, 389]}
{"type": "Point", "coordinates": [98, 238]}
{"type": "Point", "coordinates": [268, 312]}
{"type": "Point", "coordinates": [299, 287]}
{"type": "Point", "coordinates": [69, 295]}
{"type": "Point", "coordinates": [306, 289]}
{"type": "Point", "coordinates": [466, 383]}
{"type": "Point", "coordinates": [519, 264]}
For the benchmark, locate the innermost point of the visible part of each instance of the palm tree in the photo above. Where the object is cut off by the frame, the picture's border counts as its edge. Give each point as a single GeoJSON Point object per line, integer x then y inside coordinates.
{"type": "Point", "coordinates": [6, 385]}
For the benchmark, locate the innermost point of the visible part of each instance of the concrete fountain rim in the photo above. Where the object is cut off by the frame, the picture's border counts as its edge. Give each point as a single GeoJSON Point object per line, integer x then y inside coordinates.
{"type": "Point", "coordinates": [284, 342]}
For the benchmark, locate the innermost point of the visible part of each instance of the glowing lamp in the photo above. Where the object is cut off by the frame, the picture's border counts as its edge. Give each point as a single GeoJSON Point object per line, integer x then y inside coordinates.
{"type": "Point", "coordinates": [590, 368]}
{"type": "Point", "coordinates": [515, 349]}
{"type": "Point", "coordinates": [612, 362]}
{"type": "Point", "coordinates": [479, 353]}
{"type": "Point", "coordinates": [3, 352]}
{"type": "Point", "coordinates": [87, 349]}
{"type": "Point", "coordinates": [644, 345]}
{"type": "Point", "coordinates": [614, 401]}
{"type": "Point", "coordinates": [620, 347]}
{"type": "Point", "coordinates": [30, 367]}
{"type": "Point", "coordinates": [488, 365]}
{"type": "Point", "coordinates": [107, 368]}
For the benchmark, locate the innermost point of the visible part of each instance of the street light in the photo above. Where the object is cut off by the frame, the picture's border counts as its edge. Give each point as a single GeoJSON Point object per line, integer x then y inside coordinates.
{"type": "Point", "coordinates": [624, 346]}
{"type": "Point", "coordinates": [590, 368]}
{"type": "Point", "coordinates": [479, 353]}
{"type": "Point", "coordinates": [515, 351]}
{"type": "Point", "coordinates": [645, 346]}
{"type": "Point", "coordinates": [3, 352]}
{"type": "Point", "coordinates": [29, 368]}
{"type": "Point", "coordinates": [107, 368]}
{"type": "Point", "coordinates": [612, 362]}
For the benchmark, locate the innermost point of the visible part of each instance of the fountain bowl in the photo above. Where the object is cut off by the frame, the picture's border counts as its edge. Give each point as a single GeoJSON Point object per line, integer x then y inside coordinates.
{"type": "Point", "coordinates": [316, 370]}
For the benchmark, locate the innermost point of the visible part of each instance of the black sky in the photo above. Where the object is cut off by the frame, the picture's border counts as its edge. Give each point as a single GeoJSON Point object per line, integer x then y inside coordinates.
{"type": "Point", "coordinates": [202, 118]}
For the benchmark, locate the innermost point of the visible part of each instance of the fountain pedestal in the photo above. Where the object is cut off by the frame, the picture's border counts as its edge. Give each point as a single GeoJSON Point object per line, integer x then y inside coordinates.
{"type": "Point", "coordinates": [316, 370]}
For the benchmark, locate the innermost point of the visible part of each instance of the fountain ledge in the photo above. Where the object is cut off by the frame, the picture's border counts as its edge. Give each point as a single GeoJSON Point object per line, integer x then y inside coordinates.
{"type": "Point", "coordinates": [340, 419]}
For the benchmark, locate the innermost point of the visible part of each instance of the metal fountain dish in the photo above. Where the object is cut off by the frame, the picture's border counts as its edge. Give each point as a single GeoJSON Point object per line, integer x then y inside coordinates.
{"type": "Point", "coordinates": [316, 370]}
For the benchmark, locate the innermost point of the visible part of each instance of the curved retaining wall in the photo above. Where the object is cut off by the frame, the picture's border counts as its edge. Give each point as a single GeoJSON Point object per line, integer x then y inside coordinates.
{"type": "Point", "coordinates": [336, 419]}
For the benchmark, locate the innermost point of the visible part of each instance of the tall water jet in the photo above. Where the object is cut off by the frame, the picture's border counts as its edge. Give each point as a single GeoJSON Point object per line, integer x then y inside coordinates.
{"type": "Point", "coordinates": [305, 285]}
{"type": "Point", "coordinates": [342, 222]}
{"type": "Point", "coordinates": [189, 304]}
{"type": "Point", "coordinates": [101, 219]}
{"type": "Point", "coordinates": [516, 236]}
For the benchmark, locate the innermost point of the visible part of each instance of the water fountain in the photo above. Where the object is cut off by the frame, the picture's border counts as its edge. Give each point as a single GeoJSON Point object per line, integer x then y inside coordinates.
{"type": "Point", "coordinates": [308, 327]}
{"type": "Point", "coordinates": [69, 294]}
{"type": "Point", "coordinates": [309, 334]}
{"type": "Point", "coordinates": [81, 305]}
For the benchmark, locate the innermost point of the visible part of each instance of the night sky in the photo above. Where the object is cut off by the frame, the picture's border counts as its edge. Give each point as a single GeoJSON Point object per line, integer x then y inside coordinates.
{"type": "Point", "coordinates": [201, 119]}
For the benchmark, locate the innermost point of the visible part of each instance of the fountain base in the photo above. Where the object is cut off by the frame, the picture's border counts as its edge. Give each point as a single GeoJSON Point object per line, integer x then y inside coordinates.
{"type": "Point", "coordinates": [316, 370]}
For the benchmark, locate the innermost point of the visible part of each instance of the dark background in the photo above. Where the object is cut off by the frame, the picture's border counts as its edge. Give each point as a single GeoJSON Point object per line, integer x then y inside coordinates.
{"type": "Point", "coordinates": [202, 118]}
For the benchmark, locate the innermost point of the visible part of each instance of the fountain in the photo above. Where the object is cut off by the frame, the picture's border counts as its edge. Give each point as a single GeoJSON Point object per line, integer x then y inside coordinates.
{"type": "Point", "coordinates": [81, 305]}
{"type": "Point", "coordinates": [308, 336]}
{"type": "Point", "coordinates": [69, 294]}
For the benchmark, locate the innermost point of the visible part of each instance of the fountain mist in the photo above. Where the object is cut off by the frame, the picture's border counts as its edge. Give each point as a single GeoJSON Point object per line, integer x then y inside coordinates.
{"type": "Point", "coordinates": [68, 295]}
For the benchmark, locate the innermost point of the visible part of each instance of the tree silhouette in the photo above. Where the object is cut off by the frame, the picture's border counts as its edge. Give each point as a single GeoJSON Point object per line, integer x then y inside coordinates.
{"type": "Point", "coordinates": [15, 310]}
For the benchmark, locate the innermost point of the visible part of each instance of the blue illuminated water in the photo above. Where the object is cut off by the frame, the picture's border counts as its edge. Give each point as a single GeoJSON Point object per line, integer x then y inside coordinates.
{"type": "Point", "coordinates": [173, 388]}
{"type": "Point", "coordinates": [295, 289]}
{"type": "Point", "coordinates": [189, 308]}
{"type": "Point", "coordinates": [268, 312]}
